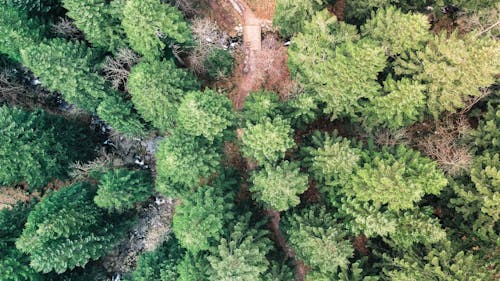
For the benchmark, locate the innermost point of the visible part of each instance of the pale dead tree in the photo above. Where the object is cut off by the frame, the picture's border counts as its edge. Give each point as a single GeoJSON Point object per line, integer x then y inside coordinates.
{"type": "Point", "coordinates": [66, 28]}
{"type": "Point", "coordinates": [388, 137]}
{"type": "Point", "coordinates": [9, 89]}
{"type": "Point", "coordinates": [117, 69]}
{"type": "Point", "coordinates": [187, 7]}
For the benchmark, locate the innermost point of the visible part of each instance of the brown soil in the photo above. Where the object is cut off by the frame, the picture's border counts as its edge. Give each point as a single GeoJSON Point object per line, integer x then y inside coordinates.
{"type": "Point", "coordinates": [263, 9]}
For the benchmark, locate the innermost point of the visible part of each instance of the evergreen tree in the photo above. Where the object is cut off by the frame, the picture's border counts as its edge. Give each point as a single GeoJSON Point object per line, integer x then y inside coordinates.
{"type": "Point", "coordinates": [318, 240]}
{"type": "Point", "coordinates": [183, 162]}
{"type": "Point", "coordinates": [278, 273]}
{"type": "Point", "coordinates": [193, 268]}
{"type": "Point", "coordinates": [398, 32]}
{"type": "Point", "coordinates": [66, 230]}
{"type": "Point", "coordinates": [99, 20]}
{"type": "Point", "coordinates": [206, 114]}
{"type": "Point", "coordinates": [120, 189]}
{"type": "Point", "coordinates": [401, 106]}
{"type": "Point", "coordinates": [33, 8]}
{"type": "Point", "coordinates": [279, 187]}
{"type": "Point", "coordinates": [14, 265]}
{"type": "Point", "coordinates": [242, 255]}
{"type": "Point", "coordinates": [151, 26]}
{"type": "Point", "coordinates": [199, 219]}
{"type": "Point", "coordinates": [327, 60]}
{"type": "Point", "coordinates": [291, 15]}
{"type": "Point", "coordinates": [487, 135]}
{"type": "Point", "coordinates": [157, 89]}
{"type": "Point", "coordinates": [37, 147]}
{"type": "Point", "coordinates": [453, 69]}
{"type": "Point", "coordinates": [18, 31]}
{"type": "Point", "coordinates": [302, 110]}
{"type": "Point", "coordinates": [259, 105]}
{"type": "Point", "coordinates": [268, 140]}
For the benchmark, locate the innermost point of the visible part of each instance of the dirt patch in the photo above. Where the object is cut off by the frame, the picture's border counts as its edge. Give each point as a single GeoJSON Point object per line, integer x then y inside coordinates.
{"type": "Point", "coordinates": [263, 9]}
{"type": "Point", "coordinates": [222, 13]}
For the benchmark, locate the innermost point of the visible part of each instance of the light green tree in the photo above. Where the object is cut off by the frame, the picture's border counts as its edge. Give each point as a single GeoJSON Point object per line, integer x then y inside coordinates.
{"type": "Point", "coordinates": [151, 26]}
{"type": "Point", "coordinates": [199, 219]}
{"type": "Point", "coordinates": [66, 230]}
{"type": "Point", "coordinates": [37, 147]}
{"type": "Point", "coordinates": [291, 15]}
{"type": "Point", "coordinates": [157, 89]}
{"type": "Point", "coordinates": [279, 187]}
{"type": "Point", "coordinates": [206, 114]}
{"type": "Point", "coordinates": [119, 189]}
{"type": "Point", "coordinates": [193, 267]}
{"type": "Point", "coordinates": [398, 32]}
{"type": "Point", "coordinates": [259, 105]}
{"type": "Point", "coordinates": [99, 20]}
{"type": "Point", "coordinates": [268, 140]}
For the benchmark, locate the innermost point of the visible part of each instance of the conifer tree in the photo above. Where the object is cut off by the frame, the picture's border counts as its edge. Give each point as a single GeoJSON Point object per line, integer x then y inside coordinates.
{"type": "Point", "coordinates": [193, 267]}
{"type": "Point", "coordinates": [241, 255]}
{"type": "Point", "coordinates": [99, 20]}
{"type": "Point", "coordinates": [14, 265]}
{"type": "Point", "coordinates": [279, 187]}
{"type": "Point", "coordinates": [151, 26]}
{"type": "Point", "coordinates": [487, 135]}
{"type": "Point", "coordinates": [157, 89]}
{"type": "Point", "coordinates": [318, 240]}
{"type": "Point", "coordinates": [206, 114]}
{"type": "Point", "coordinates": [37, 147]}
{"type": "Point", "coordinates": [302, 110]}
{"type": "Point", "coordinates": [183, 162]}
{"type": "Point", "coordinates": [291, 15]}
{"type": "Point", "coordinates": [268, 140]}
{"type": "Point", "coordinates": [119, 189]}
{"type": "Point", "coordinates": [35, 8]}
{"type": "Point", "coordinates": [66, 230]}
{"type": "Point", "coordinates": [259, 105]}
{"type": "Point", "coordinates": [398, 32]}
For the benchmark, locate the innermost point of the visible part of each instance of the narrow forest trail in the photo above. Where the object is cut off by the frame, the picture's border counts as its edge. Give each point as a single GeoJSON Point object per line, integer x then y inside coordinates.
{"type": "Point", "coordinates": [252, 44]}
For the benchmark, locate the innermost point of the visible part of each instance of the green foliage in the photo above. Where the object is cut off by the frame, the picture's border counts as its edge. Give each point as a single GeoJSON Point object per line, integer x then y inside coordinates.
{"type": "Point", "coordinates": [291, 15]}
{"type": "Point", "coordinates": [151, 26]}
{"type": "Point", "coordinates": [278, 273]}
{"type": "Point", "coordinates": [199, 219]}
{"type": "Point", "coordinates": [18, 31]}
{"type": "Point", "coordinates": [99, 20]}
{"type": "Point", "coordinates": [242, 255]}
{"type": "Point", "coordinates": [184, 161]}
{"type": "Point", "coordinates": [397, 180]}
{"type": "Point", "coordinates": [453, 69]}
{"type": "Point", "coordinates": [359, 11]}
{"type": "Point", "coordinates": [120, 189]}
{"type": "Point", "coordinates": [328, 61]}
{"type": "Point", "coordinates": [160, 264]}
{"type": "Point", "coordinates": [268, 140]}
{"type": "Point", "coordinates": [487, 134]}
{"type": "Point", "coordinates": [193, 268]}
{"type": "Point", "coordinates": [401, 105]}
{"type": "Point", "coordinates": [259, 105]}
{"type": "Point", "coordinates": [34, 7]}
{"type": "Point", "coordinates": [157, 89]}
{"type": "Point", "coordinates": [219, 63]}
{"type": "Point", "coordinates": [318, 240]}
{"type": "Point", "coordinates": [67, 67]}
{"type": "Point", "coordinates": [14, 265]}
{"type": "Point", "coordinates": [279, 187]}
{"type": "Point", "coordinates": [398, 32]}
{"type": "Point", "coordinates": [66, 230]}
{"type": "Point", "coordinates": [302, 110]}
{"type": "Point", "coordinates": [37, 147]}
{"type": "Point", "coordinates": [206, 114]}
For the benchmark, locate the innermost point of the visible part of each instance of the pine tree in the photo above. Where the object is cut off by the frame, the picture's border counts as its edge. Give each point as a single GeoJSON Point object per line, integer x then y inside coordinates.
{"type": "Point", "coordinates": [199, 219]}
{"type": "Point", "coordinates": [398, 32]}
{"type": "Point", "coordinates": [259, 105]}
{"type": "Point", "coordinates": [206, 114]}
{"type": "Point", "coordinates": [301, 110]}
{"type": "Point", "coordinates": [268, 140]}
{"type": "Point", "coordinates": [37, 147]}
{"type": "Point", "coordinates": [35, 8]}
{"type": "Point", "coordinates": [157, 89]}
{"type": "Point", "coordinates": [279, 187]}
{"type": "Point", "coordinates": [183, 162]}
{"type": "Point", "coordinates": [99, 20]}
{"type": "Point", "coordinates": [120, 189]}
{"type": "Point", "coordinates": [151, 26]}
{"type": "Point", "coordinates": [18, 31]}
{"type": "Point", "coordinates": [402, 105]}
{"type": "Point", "coordinates": [241, 255]}
{"type": "Point", "coordinates": [487, 135]}
{"type": "Point", "coordinates": [291, 15]}
{"type": "Point", "coordinates": [318, 240]}
{"type": "Point", "coordinates": [278, 272]}
{"type": "Point", "coordinates": [193, 268]}
{"type": "Point", "coordinates": [14, 265]}
{"type": "Point", "coordinates": [66, 230]}
{"type": "Point", "coordinates": [453, 69]}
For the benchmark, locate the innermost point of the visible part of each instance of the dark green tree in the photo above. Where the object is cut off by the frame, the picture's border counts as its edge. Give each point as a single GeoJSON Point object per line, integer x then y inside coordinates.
{"type": "Point", "coordinates": [291, 15]}
{"type": "Point", "coordinates": [151, 26]}
{"type": "Point", "coordinates": [260, 105]}
{"type": "Point", "coordinates": [66, 229]}
{"type": "Point", "coordinates": [35, 8]}
{"type": "Point", "coordinates": [219, 63]}
{"type": "Point", "coordinates": [120, 189]}
{"type": "Point", "coordinates": [199, 219]}
{"type": "Point", "coordinates": [279, 187]}
{"type": "Point", "coordinates": [157, 89]}
{"type": "Point", "coordinates": [36, 147]}
{"type": "Point", "coordinates": [206, 114]}
{"type": "Point", "coordinates": [194, 268]}
{"type": "Point", "coordinates": [268, 140]}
